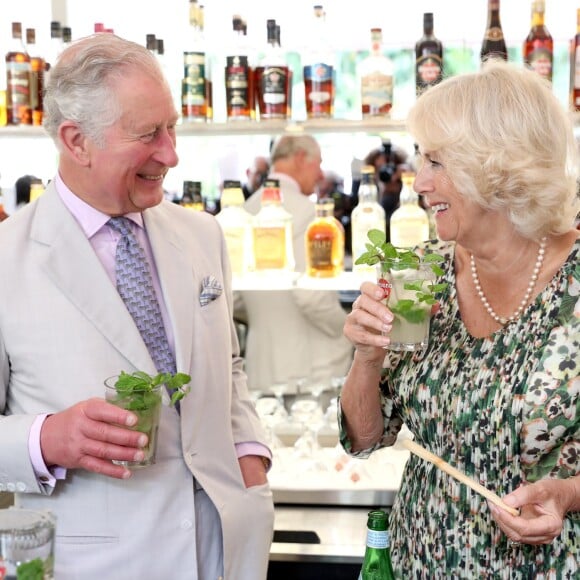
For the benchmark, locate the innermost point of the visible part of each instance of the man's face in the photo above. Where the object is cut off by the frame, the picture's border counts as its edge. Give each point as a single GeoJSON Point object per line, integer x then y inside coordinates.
{"type": "Point", "coordinates": [310, 173]}
{"type": "Point", "coordinates": [257, 174]}
{"type": "Point", "coordinates": [127, 174]}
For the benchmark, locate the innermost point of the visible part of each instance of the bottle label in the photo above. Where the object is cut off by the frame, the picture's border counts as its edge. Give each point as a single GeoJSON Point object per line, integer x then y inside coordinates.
{"type": "Point", "coordinates": [193, 86]}
{"type": "Point", "coordinates": [377, 90]}
{"type": "Point", "coordinates": [270, 248]}
{"type": "Point", "coordinates": [320, 252]}
{"type": "Point", "coordinates": [18, 83]}
{"type": "Point", "coordinates": [577, 68]}
{"type": "Point", "coordinates": [377, 539]}
{"type": "Point", "coordinates": [493, 33]}
{"type": "Point", "coordinates": [540, 59]}
{"type": "Point", "coordinates": [318, 73]}
{"type": "Point", "coordinates": [274, 82]}
{"type": "Point", "coordinates": [429, 69]}
{"type": "Point", "coordinates": [237, 82]}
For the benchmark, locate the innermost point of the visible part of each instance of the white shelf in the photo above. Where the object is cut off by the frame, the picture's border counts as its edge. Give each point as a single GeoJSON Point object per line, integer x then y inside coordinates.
{"type": "Point", "coordinates": [272, 127]}
{"type": "Point", "coordinates": [346, 281]}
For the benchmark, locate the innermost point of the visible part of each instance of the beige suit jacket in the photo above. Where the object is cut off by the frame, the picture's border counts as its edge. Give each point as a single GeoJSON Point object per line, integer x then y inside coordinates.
{"type": "Point", "coordinates": [63, 330]}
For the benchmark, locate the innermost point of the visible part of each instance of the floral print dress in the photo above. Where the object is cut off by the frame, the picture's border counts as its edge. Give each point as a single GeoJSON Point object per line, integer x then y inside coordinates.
{"type": "Point", "coordinates": [503, 409]}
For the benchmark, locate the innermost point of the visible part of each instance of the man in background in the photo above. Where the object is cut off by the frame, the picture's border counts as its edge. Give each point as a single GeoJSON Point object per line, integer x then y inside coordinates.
{"type": "Point", "coordinates": [294, 335]}
{"type": "Point", "coordinates": [255, 175]}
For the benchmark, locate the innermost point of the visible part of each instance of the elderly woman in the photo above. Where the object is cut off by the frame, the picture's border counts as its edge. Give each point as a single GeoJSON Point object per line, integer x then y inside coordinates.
{"type": "Point", "coordinates": [496, 394]}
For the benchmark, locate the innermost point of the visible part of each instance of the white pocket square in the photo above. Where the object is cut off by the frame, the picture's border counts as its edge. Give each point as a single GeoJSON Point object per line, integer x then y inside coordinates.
{"type": "Point", "coordinates": [211, 288]}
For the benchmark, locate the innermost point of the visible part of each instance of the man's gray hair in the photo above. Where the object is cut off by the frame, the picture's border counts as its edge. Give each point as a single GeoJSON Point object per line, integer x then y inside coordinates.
{"type": "Point", "coordinates": [80, 84]}
{"type": "Point", "coordinates": [287, 146]}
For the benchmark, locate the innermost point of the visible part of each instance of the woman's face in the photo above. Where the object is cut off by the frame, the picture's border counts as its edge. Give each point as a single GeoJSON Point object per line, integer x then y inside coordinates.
{"type": "Point", "coordinates": [456, 217]}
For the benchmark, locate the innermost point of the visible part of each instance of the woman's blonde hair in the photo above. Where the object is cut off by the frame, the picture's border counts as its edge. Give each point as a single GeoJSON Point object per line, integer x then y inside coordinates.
{"type": "Point", "coordinates": [506, 142]}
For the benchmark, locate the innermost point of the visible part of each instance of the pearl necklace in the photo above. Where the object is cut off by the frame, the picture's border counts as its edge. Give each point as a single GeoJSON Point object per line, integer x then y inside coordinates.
{"type": "Point", "coordinates": [537, 267]}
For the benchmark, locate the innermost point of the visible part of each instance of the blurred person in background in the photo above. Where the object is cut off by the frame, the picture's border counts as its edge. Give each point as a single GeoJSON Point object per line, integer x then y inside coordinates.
{"type": "Point", "coordinates": [294, 333]}
{"type": "Point", "coordinates": [255, 175]}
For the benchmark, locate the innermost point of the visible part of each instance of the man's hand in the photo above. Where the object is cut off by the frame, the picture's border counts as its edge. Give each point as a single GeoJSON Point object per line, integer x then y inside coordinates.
{"type": "Point", "coordinates": [89, 436]}
{"type": "Point", "coordinates": [253, 470]}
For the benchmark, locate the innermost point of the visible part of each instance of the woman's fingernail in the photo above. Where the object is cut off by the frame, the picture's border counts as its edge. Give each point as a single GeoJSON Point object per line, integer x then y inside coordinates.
{"type": "Point", "coordinates": [141, 442]}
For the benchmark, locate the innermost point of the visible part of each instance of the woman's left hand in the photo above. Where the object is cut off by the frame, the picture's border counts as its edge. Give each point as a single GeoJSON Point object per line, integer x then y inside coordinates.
{"type": "Point", "coordinates": [543, 506]}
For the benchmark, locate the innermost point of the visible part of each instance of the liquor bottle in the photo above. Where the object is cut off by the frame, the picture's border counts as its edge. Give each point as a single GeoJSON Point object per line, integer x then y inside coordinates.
{"type": "Point", "coordinates": [493, 45]}
{"type": "Point", "coordinates": [56, 44]}
{"type": "Point", "coordinates": [18, 111]}
{"type": "Point", "coordinates": [324, 242]}
{"type": "Point", "coordinates": [238, 76]}
{"type": "Point", "coordinates": [66, 36]}
{"type": "Point", "coordinates": [192, 198]}
{"type": "Point", "coordinates": [319, 71]}
{"type": "Point", "coordinates": [236, 224]}
{"type": "Point", "coordinates": [575, 66]}
{"type": "Point", "coordinates": [409, 224]}
{"type": "Point", "coordinates": [36, 189]}
{"type": "Point", "coordinates": [151, 43]}
{"type": "Point", "coordinates": [272, 79]}
{"type": "Point", "coordinates": [377, 561]}
{"type": "Point", "coordinates": [272, 232]}
{"type": "Point", "coordinates": [196, 89]}
{"type": "Point", "coordinates": [37, 68]}
{"type": "Point", "coordinates": [376, 79]}
{"type": "Point", "coordinates": [367, 215]}
{"type": "Point", "coordinates": [428, 57]}
{"type": "Point", "coordinates": [538, 47]}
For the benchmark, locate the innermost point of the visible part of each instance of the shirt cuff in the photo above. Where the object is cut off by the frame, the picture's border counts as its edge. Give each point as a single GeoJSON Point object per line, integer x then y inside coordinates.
{"type": "Point", "coordinates": [255, 448]}
{"type": "Point", "coordinates": [45, 476]}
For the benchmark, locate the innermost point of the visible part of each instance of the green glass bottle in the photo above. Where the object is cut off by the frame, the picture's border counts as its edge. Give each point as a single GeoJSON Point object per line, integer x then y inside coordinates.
{"type": "Point", "coordinates": [377, 563]}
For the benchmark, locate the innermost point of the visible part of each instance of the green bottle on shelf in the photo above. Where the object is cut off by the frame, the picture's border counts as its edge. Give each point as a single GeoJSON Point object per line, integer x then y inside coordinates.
{"type": "Point", "coordinates": [377, 562]}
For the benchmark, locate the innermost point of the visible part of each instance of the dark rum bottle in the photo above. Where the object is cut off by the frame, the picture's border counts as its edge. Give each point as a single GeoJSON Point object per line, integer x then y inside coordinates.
{"type": "Point", "coordinates": [37, 70]}
{"type": "Point", "coordinates": [238, 77]}
{"type": "Point", "coordinates": [538, 47]}
{"type": "Point", "coordinates": [272, 80]}
{"type": "Point", "coordinates": [493, 45]}
{"type": "Point", "coordinates": [18, 70]}
{"type": "Point", "coordinates": [428, 57]}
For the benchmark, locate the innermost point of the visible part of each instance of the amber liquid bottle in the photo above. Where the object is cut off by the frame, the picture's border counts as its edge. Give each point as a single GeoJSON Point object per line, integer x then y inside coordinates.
{"type": "Point", "coordinates": [319, 71]}
{"type": "Point", "coordinates": [428, 57]}
{"type": "Point", "coordinates": [493, 45]}
{"type": "Point", "coordinates": [575, 66]}
{"type": "Point", "coordinates": [272, 80]}
{"type": "Point", "coordinates": [538, 47]}
{"type": "Point", "coordinates": [18, 111]}
{"type": "Point", "coordinates": [37, 69]}
{"type": "Point", "coordinates": [324, 242]}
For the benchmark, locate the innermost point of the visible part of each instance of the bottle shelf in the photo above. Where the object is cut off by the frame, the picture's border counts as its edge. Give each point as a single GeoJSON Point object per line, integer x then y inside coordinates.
{"type": "Point", "coordinates": [270, 127]}
{"type": "Point", "coordinates": [346, 281]}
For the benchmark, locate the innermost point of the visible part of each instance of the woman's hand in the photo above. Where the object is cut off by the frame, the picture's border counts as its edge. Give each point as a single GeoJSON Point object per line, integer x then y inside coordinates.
{"type": "Point", "coordinates": [543, 506]}
{"type": "Point", "coordinates": [369, 322]}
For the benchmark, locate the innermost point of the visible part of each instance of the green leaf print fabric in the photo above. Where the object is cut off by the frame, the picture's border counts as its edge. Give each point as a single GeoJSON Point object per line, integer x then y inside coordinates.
{"type": "Point", "coordinates": [504, 409]}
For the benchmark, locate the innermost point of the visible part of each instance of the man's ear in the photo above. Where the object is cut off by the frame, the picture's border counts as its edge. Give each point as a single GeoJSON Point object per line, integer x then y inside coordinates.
{"type": "Point", "coordinates": [74, 143]}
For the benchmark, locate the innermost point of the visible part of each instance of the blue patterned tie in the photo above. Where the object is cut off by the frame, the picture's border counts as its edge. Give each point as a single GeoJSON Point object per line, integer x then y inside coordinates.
{"type": "Point", "coordinates": [135, 287]}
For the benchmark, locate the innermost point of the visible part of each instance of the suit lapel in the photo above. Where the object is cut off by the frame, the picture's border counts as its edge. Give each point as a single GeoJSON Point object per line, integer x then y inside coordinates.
{"type": "Point", "coordinates": [71, 263]}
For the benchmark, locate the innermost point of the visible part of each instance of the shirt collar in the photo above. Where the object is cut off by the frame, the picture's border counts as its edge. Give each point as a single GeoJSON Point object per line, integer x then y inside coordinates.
{"type": "Point", "coordinates": [89, 218]}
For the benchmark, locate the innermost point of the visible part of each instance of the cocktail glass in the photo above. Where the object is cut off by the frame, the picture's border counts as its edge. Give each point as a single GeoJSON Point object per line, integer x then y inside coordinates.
{"type": "Point", "coordinates": [147, 406]}
{"type": "Point", "coordinates": [26, 544]}
{"type": "Point", "coordinates": [406, 290]}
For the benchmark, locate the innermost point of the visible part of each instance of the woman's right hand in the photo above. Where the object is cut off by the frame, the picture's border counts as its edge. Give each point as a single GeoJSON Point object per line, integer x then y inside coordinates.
{"type": "Point", "coordinates": [369, 323]}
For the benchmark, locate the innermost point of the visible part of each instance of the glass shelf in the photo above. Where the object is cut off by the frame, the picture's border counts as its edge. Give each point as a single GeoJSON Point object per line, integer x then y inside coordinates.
{"type": "Point", "coordinates": [271, 127]}
{"type": "Point", "coordinates": [346, 281]}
